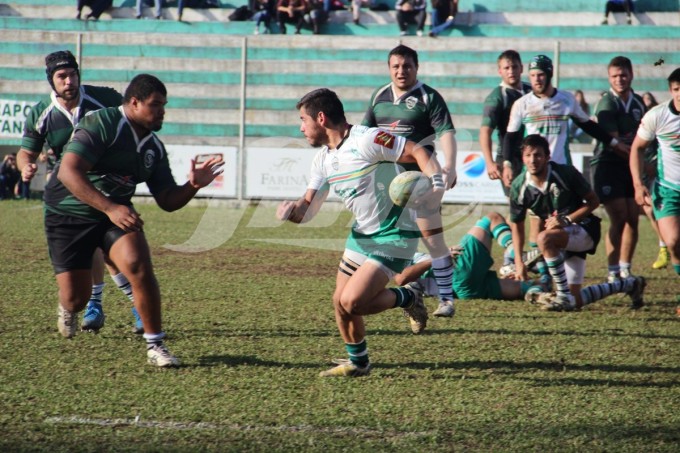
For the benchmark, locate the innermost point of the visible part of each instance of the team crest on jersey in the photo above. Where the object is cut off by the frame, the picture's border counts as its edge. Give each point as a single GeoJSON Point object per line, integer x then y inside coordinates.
{"type": "Point", "coordinates": [555, 190]}
{"type": "Point", "coordinates": [411, 102]}
{"type": "Point", "coordinates": [637, 115]}
{"type": "Point", "coordinates": [335, 163]}
{"type": "Point", "coordinates": [149, 156]}
{"type": "Point", "coordinates": [384, 139]}
{"type": "Point", "coordinates": [606, 190]}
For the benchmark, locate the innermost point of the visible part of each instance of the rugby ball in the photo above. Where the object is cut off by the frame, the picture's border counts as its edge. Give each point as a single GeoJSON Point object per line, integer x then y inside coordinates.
{"type": "Point", "coordinates": [407, 185]}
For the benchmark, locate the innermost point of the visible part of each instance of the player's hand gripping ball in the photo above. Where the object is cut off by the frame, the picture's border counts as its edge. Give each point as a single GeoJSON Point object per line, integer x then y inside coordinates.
{"type": "Point", "coordinates": [409, 186]}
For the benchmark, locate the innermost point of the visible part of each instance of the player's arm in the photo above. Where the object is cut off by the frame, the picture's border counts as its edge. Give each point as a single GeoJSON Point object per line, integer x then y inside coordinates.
{"type": "Point", "coordinates": [73, 175]}
{"type": "Point", "coordinates": [636, 162]}
{"type": "Point", "coordinates": [510, 141]}
{"type": "Point", "coordinates": [427, 163]}
{"type": "Point", "coordinates": [26, 163]}
{"type": "Point", "coordinates": [449, 148]}
{"type": "Point", "coordinates": [590, 203]}
{"type": "Point", "coordinates": [304, 209]}
{"type": "Point", "coordinates": [413, 272]}
{"type": "Point", "coordinates": [518, 238]}
{"type": "Point", "coordinates": [486, 143]}
{"type": "Point", "coordinates": [176, 197]}
{"type": "Point", "coordinates": [593, 129]}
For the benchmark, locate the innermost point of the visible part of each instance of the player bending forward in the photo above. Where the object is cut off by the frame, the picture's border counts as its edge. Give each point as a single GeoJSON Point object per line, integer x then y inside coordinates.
{"type": "Point", "coordinates": [358, 163]}
{"type": "Point", "coordinates": [563, 200]}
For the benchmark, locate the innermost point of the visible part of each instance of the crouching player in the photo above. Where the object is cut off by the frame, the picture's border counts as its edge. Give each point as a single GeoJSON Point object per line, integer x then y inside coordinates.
{"type": "Point", "coordinates": [358, 163]}
{"type": "Point", "coordinates": [564, 201]}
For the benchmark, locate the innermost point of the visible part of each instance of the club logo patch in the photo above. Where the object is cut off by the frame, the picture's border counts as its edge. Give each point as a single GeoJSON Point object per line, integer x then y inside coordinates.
{"type": "Point", "coordinates": [411, 102]}
{"type": "Point", "coordinates": [384, 139]}
{"type": "Point", "coordinates": [606, 190]}
{"type": "Point", "coordinates": [149, 157]}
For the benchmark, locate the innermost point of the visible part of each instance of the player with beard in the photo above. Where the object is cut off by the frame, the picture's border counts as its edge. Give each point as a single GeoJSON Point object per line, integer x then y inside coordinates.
{"type": "Point", "coordinates": [51, 121]}
{"type": "Point", "coordinates": [88, 204]}
{"type": "Point", "coordinates": [357, 163]}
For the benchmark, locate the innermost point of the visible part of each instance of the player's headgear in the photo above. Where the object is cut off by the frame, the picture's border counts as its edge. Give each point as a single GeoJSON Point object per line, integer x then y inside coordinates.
{"type": "Point", "coordinates": [59, 60]}
{"type": "Point", "coordinates": [542, 63]}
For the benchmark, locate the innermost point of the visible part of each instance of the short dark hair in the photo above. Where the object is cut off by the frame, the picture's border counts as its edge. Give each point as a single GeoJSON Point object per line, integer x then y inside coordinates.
{"type": "Point", "coordinates": [405, 52]}
{"type": "Point", "coordinates": [323, 100]}
{"type": "Point", "coordinates": [511, 55]}
{"type": "Point", "coordinates": [536, 141]}
{"type": "Point", "coordinates": [142, 86]}
{"type": "Point", "coordinates": [674, 77]}
{"type": "Point", "coordinates": [621, 62]}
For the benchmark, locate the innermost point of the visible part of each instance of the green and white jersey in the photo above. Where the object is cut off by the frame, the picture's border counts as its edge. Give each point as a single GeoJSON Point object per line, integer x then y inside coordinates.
{"type": "Point", "coordinates": [49, 122]}
{"type": "Point", "coordinates": [120, 160]}
{"type": "Point", "coordinates": [663, 123]}
{"type": "Point", "coordinates": [562, 193]}
{"type": "Point", "coordinates": [421, 115]}
{"type": "Point", "coordinates": [548, 117]}
{"type": "Point", "coordinates": [360, 172]}
{"type": "Point", "coordinates": [497, 106]}
{"type": "Point", "coordinates": [616, 116]}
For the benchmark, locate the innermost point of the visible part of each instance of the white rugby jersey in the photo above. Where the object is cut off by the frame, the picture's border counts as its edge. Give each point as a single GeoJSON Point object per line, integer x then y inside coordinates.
{"type": "Point", "coordinates": [663, 123]}
{"type": "Point", "coordinates": [360, 172]}
{"type": "Point", "coordinates": [548, 117]}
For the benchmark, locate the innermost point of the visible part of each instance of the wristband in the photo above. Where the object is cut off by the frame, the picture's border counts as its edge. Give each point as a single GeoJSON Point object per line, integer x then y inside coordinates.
{"type": "Point", "coordinates": [614, 142]}
{"type": "Point", "coordinates": [437, 181]}
{"type": "Point", "coordinates": [507, 164]}
{"type": "Point", "coordinates": [565, 220]}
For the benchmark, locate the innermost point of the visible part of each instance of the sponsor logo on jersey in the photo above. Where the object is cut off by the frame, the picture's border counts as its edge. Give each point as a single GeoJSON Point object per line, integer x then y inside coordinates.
{"type": "Point", "coordinates": [411, 102]}
{"type": "Point", "coordinates": [396, 128]}
{"type": "Point", "coordinates": [384, 139]}
{"type": "Point", "coordinates": [149, 156]}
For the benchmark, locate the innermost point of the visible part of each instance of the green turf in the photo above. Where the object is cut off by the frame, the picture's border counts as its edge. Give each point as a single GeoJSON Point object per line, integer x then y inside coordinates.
{"type": "Point", "coordinates": [252, 321]}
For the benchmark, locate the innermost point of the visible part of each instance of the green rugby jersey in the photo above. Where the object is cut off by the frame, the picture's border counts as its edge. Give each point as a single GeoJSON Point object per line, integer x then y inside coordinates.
{"type": "Point", "coordinates": [564, 193]}
{"type": "Point", "coordinates": [120, 160]}
{"type": "Point", "coordinates": [497, 106]}
{"type": "Point", "coordinates": [419, 115]}
{"type": "Point", "coordinates": [49, 122]}
{"type": "Point", "coordinates": [614, 115]}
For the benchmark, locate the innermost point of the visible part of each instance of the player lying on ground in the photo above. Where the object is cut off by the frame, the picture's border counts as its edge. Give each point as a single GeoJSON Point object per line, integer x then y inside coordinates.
{"type": "Point", "coordinates": [473, 277]}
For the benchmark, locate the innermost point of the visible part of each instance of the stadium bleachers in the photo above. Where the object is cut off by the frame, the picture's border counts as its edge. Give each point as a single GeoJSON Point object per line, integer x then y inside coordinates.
{"type": "Point", "coordinates": [201, 60]}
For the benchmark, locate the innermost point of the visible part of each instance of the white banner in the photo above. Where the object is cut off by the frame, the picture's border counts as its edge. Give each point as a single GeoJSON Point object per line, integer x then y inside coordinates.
{"type": "Point", "coordinates": [277, 172]}
{"type": "Point", "coordinates": [13, 117]}
{"type": "Point", "coordinates": [224, 186]}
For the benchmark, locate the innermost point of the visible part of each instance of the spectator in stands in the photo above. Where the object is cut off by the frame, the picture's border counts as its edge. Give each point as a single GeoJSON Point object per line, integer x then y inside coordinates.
{"type": "Point", "coordinates": [263, 12]}
{"type": "Point", "coordinates": [618, 6]}
{"type": "Point", "coordinates": [649, 100]}
{"type": "Point", "coordinates": [442, 16]}
{"type": "Point", "coordinates": [318, 14]}
{"type": "Point", "coordinates": [97, 7]}
{"type": "Point", "coordinates": [180, 10]}
{"type": "Point", "coordinates": [292, 12]}
{"type": "Point", "coordinates": [411, 12]}
{"type": "Point", "coordinates": [9, 176]}
{"type": "Point", "coordinates": [157, 4]}
{"type": "Point", "coordinates": [576, 132]}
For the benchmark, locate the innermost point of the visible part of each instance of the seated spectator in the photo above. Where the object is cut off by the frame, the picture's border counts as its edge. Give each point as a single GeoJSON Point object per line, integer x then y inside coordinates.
{"type": "Point", "coordinates": [263, 12]}
{"type": "Point", "coordinates": [618, 6]}
{"type": "Point", "coordinates": [411, 12]}
{"type": "Point", "coordinates": [156, 9]}
{"type": "Point", "coordinates": [318, 14]}
{"type": "Point", "coordinates": [9, 176]}
{"type": "Point", "coordinates": [442, 15]}
{"type": "Point", "coordinates": [97, 7]}
{"type": "Point", "coordinates": [292, 12]}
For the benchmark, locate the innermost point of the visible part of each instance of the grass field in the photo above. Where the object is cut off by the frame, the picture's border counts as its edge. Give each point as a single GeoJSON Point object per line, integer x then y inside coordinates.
{"type": "Point", "coordinates": [251, 319]}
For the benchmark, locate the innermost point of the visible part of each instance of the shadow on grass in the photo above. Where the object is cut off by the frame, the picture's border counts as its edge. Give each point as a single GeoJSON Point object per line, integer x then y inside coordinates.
{"type": "Point", "coordinates": [236, 360]}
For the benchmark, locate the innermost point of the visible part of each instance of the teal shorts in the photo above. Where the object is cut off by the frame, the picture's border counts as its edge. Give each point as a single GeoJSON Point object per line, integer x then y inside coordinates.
{"type": "Point", "coordinates": [472, 278]}
{"type": "Point", "coordinates": [392, 248]}
{"type": "Point", "coordinates": [665, 201]}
